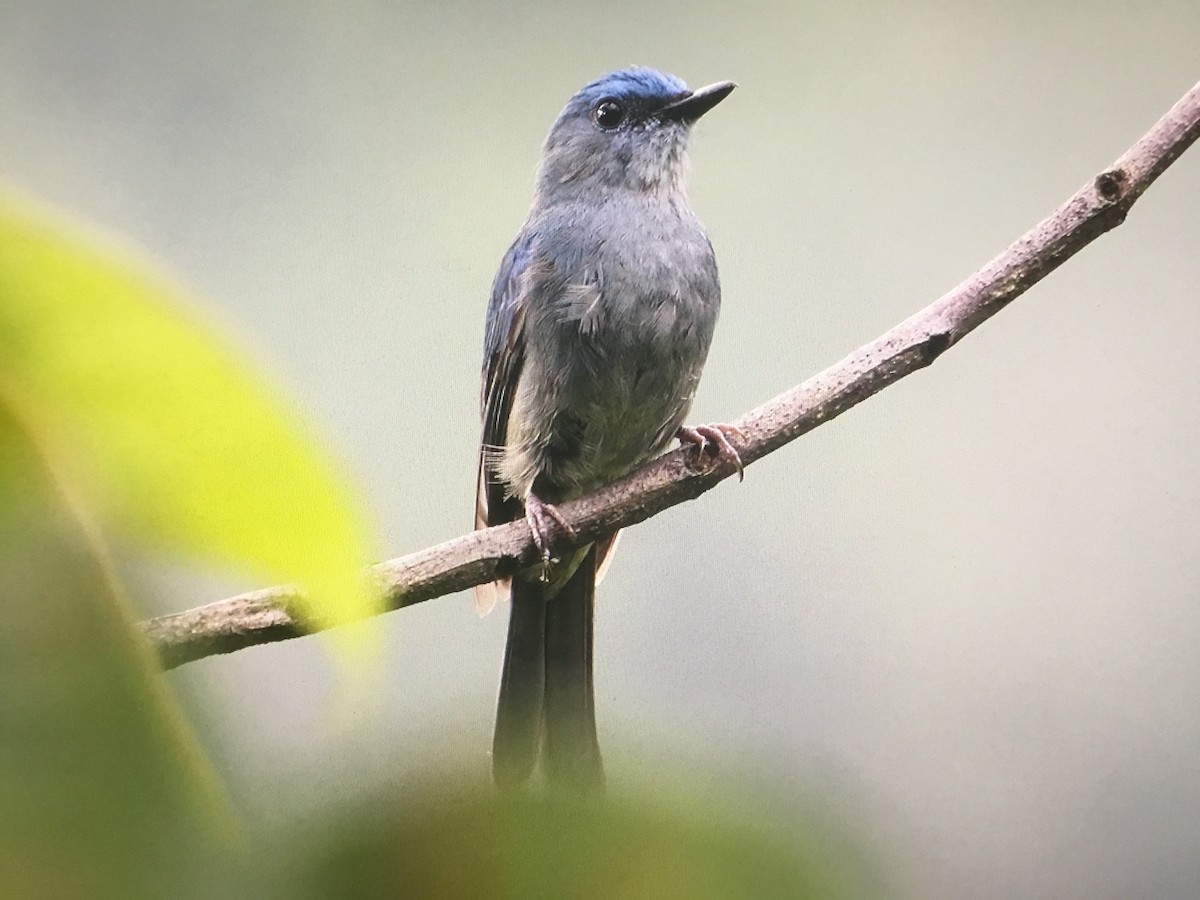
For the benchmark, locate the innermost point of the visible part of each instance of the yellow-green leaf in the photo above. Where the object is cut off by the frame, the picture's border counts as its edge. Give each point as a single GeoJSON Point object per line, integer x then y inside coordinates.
{"type": "Point", "coordinates": [163, 429]}
{"type": "Point", "coordinates": [104, 791]}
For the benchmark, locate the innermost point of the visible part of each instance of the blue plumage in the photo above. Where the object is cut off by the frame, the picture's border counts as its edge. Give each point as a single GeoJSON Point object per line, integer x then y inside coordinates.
{"type": "Point", "coordinates": [636, 83]}
{"type": "Point", "coordinates": [597, 330]}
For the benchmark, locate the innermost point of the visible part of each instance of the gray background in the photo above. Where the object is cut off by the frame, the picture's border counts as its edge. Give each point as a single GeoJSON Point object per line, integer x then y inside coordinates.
{"type": "Point", "coordinates": [966, 613]}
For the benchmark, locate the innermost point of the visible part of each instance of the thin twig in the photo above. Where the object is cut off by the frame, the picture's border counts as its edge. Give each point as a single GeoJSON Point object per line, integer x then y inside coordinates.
{"type": "Point", "coordinates": [262, 616]}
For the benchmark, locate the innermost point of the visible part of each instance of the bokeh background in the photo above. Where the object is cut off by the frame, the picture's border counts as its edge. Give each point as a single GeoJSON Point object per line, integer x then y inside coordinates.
{"type": "Point", "coordinates": [963, 616]}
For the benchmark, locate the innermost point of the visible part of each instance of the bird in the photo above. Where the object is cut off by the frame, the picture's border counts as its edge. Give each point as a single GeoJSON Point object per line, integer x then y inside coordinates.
{"type": "Point", "coordinates": [598, 327]}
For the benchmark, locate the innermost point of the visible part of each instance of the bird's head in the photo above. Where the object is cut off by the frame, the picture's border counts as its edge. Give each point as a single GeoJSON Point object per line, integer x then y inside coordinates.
{"type": "Point", "coordinates": [628, 129]}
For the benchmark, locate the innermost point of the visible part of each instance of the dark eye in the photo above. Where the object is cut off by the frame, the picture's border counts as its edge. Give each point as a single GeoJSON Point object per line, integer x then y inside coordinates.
{"type": "Point", "coordinates": [609, 114]}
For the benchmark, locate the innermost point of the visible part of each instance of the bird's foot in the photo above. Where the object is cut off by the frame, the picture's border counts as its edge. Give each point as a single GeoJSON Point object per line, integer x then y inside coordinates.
{"type": "Point", "coordinates": [544, 518]}
{"type": "Point", "coordinates": [712, 445]}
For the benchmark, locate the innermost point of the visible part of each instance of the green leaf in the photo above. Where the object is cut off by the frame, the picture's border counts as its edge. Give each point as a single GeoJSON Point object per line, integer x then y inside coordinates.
{"type": "Point", "coordinates": [161, 428]}
{"type": "Point", "coordinates": [461, 839]}
{"type": "Point", "coordinates": [103, 789]}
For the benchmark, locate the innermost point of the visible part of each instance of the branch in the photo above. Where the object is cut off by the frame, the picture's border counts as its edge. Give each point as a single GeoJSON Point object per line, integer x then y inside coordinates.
{"type": "Point", "coordinates": [263, 616]}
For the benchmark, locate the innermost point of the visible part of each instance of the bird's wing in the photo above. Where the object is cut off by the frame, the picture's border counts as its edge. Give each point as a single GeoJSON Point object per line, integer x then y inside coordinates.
{"type": "Point", "coordinates": [521, 273]}
{"type": "Point", "coordinates": [503, 357]}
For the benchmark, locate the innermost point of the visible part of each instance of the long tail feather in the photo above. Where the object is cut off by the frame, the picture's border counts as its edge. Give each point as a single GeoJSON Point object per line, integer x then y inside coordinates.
{"type": "Point", "coordinates": [522, 687]}
{"type": "Point", "coordinates": [546, 694]}
{"type": "Point", "coordinates": [571, 753]}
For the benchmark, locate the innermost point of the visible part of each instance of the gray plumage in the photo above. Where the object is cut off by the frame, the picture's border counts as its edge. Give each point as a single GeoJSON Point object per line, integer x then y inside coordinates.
{"type": "Point", "coordinates": [598, 328]}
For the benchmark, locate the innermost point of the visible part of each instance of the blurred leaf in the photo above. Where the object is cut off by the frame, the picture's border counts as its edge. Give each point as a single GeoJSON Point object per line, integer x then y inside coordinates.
{"type": "Point", "coordinates": [103, 790]}
{"type": "Point", "coordinates": [163, 431]}
{"type": "Point", "coordinates": [459, 841]}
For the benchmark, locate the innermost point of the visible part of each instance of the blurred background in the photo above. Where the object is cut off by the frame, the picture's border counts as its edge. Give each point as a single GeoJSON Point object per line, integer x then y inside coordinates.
{"type": "Point", "coordinates": [962, 617]}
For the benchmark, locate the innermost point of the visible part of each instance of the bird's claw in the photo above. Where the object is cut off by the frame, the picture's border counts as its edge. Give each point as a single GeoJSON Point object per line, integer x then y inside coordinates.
{"type": "Point", "coordinates": [702, 437]}
{"type": "Point", "coordinates": [543, 519]}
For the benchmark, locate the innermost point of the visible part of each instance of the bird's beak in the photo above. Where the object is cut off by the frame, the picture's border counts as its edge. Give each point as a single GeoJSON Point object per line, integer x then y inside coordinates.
{"type": "Point", "coordinates": [692, 106]}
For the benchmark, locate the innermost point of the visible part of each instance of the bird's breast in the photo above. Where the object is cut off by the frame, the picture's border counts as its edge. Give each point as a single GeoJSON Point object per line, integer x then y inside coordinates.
{"type": "Point", "coordinates": [614, 344]}
{"type": "Point", "coordinates": [616, 383]}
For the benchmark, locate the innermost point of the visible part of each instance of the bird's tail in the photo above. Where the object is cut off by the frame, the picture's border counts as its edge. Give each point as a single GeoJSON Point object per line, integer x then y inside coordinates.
{"type": "Point", "coordinates": [546, 700]}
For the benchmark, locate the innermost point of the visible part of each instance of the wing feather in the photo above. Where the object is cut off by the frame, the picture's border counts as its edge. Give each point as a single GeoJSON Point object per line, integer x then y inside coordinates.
{"type": "Point", "coordinates": [503, 358]}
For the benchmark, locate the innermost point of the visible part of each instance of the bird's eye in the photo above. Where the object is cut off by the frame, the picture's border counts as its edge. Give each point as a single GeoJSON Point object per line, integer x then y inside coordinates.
{"type": "Point", "coordinates": [609, 114]}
